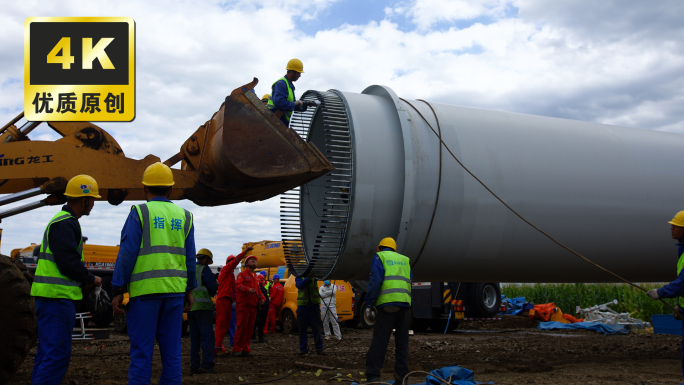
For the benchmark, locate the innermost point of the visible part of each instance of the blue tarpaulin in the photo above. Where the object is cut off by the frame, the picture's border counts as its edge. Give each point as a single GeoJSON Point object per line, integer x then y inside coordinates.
{"type": "Point", "coordinates": [456, 375]}
{"type": "Point", "coordinates": [515, 305]}
{"type": "Point", "coordinates": [598, 327]}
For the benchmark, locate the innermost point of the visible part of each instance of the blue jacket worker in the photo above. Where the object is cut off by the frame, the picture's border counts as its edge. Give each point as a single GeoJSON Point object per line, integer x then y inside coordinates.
{"type": "Point", "coordinates": [282, 101]}
{"type": "Point", "coordinates": [201, 317]}
{"type": "Point", "coordinates": [389, 290]}
{"type": "Point", "coordinates": [309, 314]}
{"type": "Point", "coordinates": [675, 288]}
{"type": "Point", "coordinates": [60, 274]}
{"type": "Point", "coordinates": [156, 264]}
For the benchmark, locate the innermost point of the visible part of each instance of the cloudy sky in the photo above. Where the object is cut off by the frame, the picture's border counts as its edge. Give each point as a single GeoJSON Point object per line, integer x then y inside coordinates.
{"type": "Point", "coordinates": [615, 62]}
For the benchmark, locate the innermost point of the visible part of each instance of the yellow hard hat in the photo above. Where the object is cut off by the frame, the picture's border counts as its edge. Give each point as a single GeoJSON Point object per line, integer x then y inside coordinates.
{"type": "Point", "coordinates": [82, 186]}
{"type": "Point", "coordinates": [388, 242]}
{"type": "Point", "coordinates": [678, 219]}
{"type": "Point", "coordinates": [207, 253]}
{"type": "Point", "coordinates": [158, 174]}
{"type": "Point", "coordinates": [295, 65]}
{"type": "Point", "coordinates": [266, 97]}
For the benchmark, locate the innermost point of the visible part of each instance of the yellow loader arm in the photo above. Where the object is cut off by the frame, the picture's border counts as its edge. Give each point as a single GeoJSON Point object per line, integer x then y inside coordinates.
{"type": "Point", "coordinates": [242, 154]}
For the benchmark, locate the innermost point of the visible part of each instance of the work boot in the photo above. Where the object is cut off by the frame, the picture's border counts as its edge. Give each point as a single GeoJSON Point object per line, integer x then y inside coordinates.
{"type": "Point", "coordinates": [321, 353]}
{"type": "Point", "coordinates": [206, 371]}
{"type": "Point", "coordinates": [338, 338]}
{"type": "Point", "coordinates": [303, 353]}
{"type": "Point", "coordinates": [247, 354]}
{"type": "Point", "coordinates": [254, 340]}
{"type": "Point", "coordinates": [194, 372]}
{"type": "Point", "coordinates": [262, 340]}
{"type": "Point", "coordinates": [237, 354]}
{"type": "Point", "coordinates": [327, 337]}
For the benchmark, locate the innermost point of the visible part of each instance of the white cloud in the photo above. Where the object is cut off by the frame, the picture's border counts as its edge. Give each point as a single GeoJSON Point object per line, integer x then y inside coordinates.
{"type": "Point", "coordinates": [606, 61]}
{"type": "Point", "coordinates": [425, 13]}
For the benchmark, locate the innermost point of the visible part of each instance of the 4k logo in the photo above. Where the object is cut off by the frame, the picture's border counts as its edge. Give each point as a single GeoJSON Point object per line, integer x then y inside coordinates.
{"type": "Point", "coordinates": [90, 53]}
{"type": "Point", "coordinates": [79, 69]}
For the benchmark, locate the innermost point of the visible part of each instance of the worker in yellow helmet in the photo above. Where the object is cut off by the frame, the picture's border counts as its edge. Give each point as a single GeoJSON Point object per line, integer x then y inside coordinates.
{"type": "Point", "coordinates": [156, 263]}
{"type": "Point", "coordinates": [60, 275]}
{"type": "Point", "coordinates": [265, 98]}
{"type": "Point", "coordinates": [201, 316]}
{"type": "Point", "coordinates": [283, 101]}
{"type": "Point", "coordinates": [389, 291]}
{"type": "Point", "coordinates": [675, 289]}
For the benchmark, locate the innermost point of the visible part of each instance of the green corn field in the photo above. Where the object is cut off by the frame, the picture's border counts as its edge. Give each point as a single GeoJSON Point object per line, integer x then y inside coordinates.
{"type": "Point", "coordinates": [568, 295]}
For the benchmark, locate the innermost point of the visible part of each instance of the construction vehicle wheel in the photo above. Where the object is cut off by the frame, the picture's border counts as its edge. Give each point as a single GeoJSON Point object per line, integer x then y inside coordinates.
{"type": "Point", "coordinates": [485, 299]}
{"type": "Point", "coordinates": [366, 323]}
{"type": "Point", "coordinates": [120, 322]}
{"type": "Point", "coordinates": [289, 322]}
{"type": "Point", "coordinates": [17, 318]}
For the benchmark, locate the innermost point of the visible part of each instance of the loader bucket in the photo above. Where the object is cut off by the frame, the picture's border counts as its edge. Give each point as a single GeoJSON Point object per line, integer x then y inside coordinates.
{"type": "Point", "coordinates": [249, 154]}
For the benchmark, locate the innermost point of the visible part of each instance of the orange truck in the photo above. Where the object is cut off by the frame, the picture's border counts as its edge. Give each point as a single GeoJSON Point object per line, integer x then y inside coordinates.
{"type": "Point", "coordinates": [271, 258]}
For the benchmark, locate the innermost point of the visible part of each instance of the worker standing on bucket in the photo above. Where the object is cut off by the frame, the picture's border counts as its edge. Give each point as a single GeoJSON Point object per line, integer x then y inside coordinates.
{"type": "Point", "coordinates": [201, 316]}
{"type": "Point", "coordinates": [675, 289]}
{"type": "Point", "coordinates": [225, 301]}
{"type": "Point", "coordinates": [275, 300]}
{"type": "Point", "coordinates": [156, 261]}
{"type": "Point", "coordinates": [283, 101]}
{"type": "Point", "coordinates": [60, 273]}
{"type": "Point", "coordinates": [248, 297]}
{"type": "Point", "coordinates": [308, 314]}
{"type": "Point", "coordinates": [389, 290]}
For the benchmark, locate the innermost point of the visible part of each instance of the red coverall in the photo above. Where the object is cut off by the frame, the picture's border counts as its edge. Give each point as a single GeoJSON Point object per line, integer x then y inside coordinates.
{"type": "Point", "coordinates": [224, 300]}
{"type": "Point", "coordinates": [276, 295]}
{"type": "Point", "coordinates": [246, 310]}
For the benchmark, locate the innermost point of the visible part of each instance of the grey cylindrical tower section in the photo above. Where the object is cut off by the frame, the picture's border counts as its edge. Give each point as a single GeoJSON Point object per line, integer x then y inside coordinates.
{"type": "Point", "coordinates": [605, 191]}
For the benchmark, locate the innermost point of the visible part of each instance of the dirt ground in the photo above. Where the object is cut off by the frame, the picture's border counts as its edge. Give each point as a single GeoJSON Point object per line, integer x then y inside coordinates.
{"type": "Point", "coordinates": [510, 351]}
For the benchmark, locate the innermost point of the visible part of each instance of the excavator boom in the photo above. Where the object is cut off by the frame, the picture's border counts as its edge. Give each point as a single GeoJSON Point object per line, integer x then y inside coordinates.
{"type": "Point", "coordinates": [242, 154]}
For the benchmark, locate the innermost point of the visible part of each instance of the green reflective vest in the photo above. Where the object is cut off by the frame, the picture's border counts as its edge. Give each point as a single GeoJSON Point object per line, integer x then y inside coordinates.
{"type": "Point", "coordinates": [396, 286]}
{"type": "Point", "coordinates": [309, 295]}
{"type": "Point", "coordinates": [680, 265]}
{"type": "Point", "coordinates": [200, 294]}
{"type": "Point", "coordinates": [48, 281]}
{"type": "Point", "coordinates": [160, 267]}
{"type": "Point", "coordinates": [290, 97]}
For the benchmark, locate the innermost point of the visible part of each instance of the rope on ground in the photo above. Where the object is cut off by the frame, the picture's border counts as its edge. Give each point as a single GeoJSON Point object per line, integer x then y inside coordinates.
{"type": "Point", "coordinates": [516, 213]}
{"type": "Point", "coordinates": [403, 382]}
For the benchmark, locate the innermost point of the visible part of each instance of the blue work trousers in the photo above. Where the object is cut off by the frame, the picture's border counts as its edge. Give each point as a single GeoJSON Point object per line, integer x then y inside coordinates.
{"type": "Point", "coordinates": [56, 317]}
{"type": "Point", "coordinates": [149, 319]}
{"type": "Point", "coordinates": [681, 347]}
{"type": "Point", "coordinates": [201, 323]}
{"type": "Point", "coordinates": [309, 316]}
